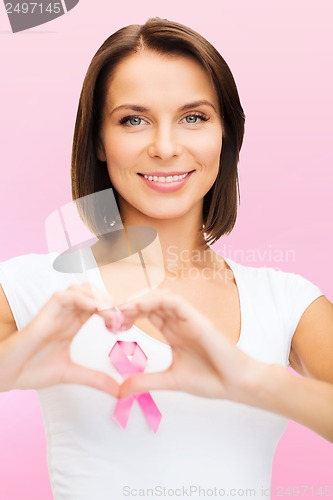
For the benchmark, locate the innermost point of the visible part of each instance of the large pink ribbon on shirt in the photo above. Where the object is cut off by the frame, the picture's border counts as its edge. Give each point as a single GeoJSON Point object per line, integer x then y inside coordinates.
{"type": "Point", "coordinates": [119, 356]}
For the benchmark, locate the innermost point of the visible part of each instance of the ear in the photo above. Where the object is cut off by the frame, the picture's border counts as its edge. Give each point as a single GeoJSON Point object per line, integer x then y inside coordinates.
{"type": "Point", "coordinates": [100, 153]}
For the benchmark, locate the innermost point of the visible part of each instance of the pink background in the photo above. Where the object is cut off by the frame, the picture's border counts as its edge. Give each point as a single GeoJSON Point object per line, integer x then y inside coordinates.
{"type": "Point", "coordinates": [281, 55]}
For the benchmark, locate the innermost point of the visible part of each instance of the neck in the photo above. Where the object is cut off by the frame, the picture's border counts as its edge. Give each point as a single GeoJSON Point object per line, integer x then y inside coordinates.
{"type": "Point", "coordinates": [179, 242]}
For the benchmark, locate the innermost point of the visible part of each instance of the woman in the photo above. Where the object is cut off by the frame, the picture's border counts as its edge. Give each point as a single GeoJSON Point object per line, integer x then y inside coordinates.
{"type": "Point", "coordinates": [160, 123]}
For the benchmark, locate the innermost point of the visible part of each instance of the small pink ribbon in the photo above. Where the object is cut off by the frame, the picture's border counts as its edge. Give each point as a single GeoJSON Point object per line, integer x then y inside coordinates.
{"type": "Point", "coordinates": [119, 357]}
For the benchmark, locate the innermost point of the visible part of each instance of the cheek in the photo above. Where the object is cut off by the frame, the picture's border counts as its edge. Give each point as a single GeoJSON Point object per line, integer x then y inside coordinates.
{"type": "Point", "coordinates": [123, 151]}
{"type": "Point", "coordinates": [209, 149]}
{"type": "Point", "coordinates": [114, 152]}
{"type": "Point", "coordinates": [120, 163]}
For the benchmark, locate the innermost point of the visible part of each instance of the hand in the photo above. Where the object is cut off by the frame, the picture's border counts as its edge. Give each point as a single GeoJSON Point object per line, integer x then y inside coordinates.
{"type": "Point", "coordinates": [39, 355]}
{"type": "Point", "coordinates": [204, 362]}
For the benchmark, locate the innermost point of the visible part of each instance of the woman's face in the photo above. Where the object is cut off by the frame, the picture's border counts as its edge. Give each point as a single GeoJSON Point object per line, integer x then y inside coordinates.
{"type": "Point", "coordinates": [161, 119]}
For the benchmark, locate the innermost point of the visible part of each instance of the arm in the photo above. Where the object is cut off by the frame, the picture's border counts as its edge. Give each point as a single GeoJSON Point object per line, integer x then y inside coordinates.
{"type": "Point", "coordinates": [39, 355]}
{"type": "Point", "coordinates": [7, 321]}
{"type": "Point", "coordinates": [206, 363]}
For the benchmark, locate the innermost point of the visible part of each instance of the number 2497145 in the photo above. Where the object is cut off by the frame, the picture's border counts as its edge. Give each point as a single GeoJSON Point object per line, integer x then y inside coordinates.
{"type": "Point", "coordinates": [304, 490]}
{"type": "Point", "coordinates": [33, 8]}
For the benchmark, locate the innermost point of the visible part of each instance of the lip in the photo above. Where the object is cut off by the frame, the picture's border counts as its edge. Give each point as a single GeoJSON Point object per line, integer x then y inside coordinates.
{"type": "Point", "coordinates": [166, 187]}
{"type": "Point", "coordinates": [165, 174]}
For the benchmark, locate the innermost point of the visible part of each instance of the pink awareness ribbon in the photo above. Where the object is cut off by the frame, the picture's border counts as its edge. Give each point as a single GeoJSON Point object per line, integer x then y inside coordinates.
{"type": "Point", "coordinates": [119, 356]}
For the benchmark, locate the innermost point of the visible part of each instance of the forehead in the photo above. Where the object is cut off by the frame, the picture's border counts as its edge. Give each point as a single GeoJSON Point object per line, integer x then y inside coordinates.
{"type": "Point", "coordinates": [151, 77]}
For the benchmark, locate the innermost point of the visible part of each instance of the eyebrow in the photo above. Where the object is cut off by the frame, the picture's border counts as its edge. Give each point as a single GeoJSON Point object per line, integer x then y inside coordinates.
{"type": "Point", "coordinates": [142, 109]}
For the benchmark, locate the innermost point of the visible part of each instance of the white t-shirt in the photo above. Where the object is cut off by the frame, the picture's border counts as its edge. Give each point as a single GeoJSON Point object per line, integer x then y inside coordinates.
{"type": "Point", "coordinates": [203, 447]}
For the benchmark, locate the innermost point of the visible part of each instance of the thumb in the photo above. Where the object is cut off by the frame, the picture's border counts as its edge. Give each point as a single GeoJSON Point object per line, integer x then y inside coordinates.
{"type": "Point", "coordinates": [144, 382]}
{"type": "Point", "coordinates": [77, 374]}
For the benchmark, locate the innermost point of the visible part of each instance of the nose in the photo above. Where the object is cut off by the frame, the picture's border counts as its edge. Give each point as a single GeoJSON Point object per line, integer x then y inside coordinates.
{"type": "Point", "coordinates": [164, 144]}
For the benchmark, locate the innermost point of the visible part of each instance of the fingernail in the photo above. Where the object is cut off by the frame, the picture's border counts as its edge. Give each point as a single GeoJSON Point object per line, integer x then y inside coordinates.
{"type": "Point", "coordinates": [116, 322]}
{"type": "Point", "coordinates": [113, 325]}
{"type": "Point", "coordinates": [112, 328]}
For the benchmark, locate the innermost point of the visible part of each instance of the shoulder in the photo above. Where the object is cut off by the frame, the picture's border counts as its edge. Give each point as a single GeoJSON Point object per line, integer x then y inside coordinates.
{"type": "Point", "coordinates": [28, 263]}
{"type": "Point", "coordinates": [289, 294]}
{"type": "Point", "coordinates": [277, 280]}
{"type": "Point", "coordinates": [312, 345]}
{"type": "Point", "coordinates": [27, 270]}
{"type": "Point", "coordinates": [27, 282]}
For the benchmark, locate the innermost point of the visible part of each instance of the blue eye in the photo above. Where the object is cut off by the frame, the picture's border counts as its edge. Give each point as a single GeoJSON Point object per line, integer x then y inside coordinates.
{"type": "Point", "coordinates": [132, 121]}
{"type": "Point", "coordinates": [135, 120]}
{"type": "Point", "coordinates": [192, 118]}
{"type": "Point", "coordinates": [195, 118]}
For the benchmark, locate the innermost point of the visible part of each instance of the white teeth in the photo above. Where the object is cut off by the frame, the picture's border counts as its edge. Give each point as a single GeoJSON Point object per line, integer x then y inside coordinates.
{"type": "Point", "coordinates": [170, 178]}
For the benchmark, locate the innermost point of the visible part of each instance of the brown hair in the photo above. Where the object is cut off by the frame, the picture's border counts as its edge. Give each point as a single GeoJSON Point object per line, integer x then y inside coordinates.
{"type": "Point", "coordinates": [164, 37]}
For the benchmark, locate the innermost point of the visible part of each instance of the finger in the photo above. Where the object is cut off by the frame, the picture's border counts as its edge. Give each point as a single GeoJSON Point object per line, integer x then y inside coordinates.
{"type": "Point", "coordinates": [80, 299]}
{"type": "Point", "coordinates": [144, 382]}
{"type": "Point", "coordinates": [76, 374]}
{"type": "Point", "coordinates": [73, 300]}
{"type": "Point", "coordinates": [104, 304]}
{"type": "Point", "coordinates": [102, 299]}
{"type": "Point", "coordinates": [121, 322]}
{"type": "Point", "coordinates": [115, 321]}
{"type": "Point", "coordinates": [158, 301]}
{"type": "Point", "coordinates": [166, 308]}
{"type": "Point", "coordinates": [59, 303]}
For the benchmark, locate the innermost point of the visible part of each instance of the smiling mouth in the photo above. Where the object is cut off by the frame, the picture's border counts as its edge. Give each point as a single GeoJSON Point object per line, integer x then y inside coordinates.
{"type": "Point", "coordinates": [166, 178]}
